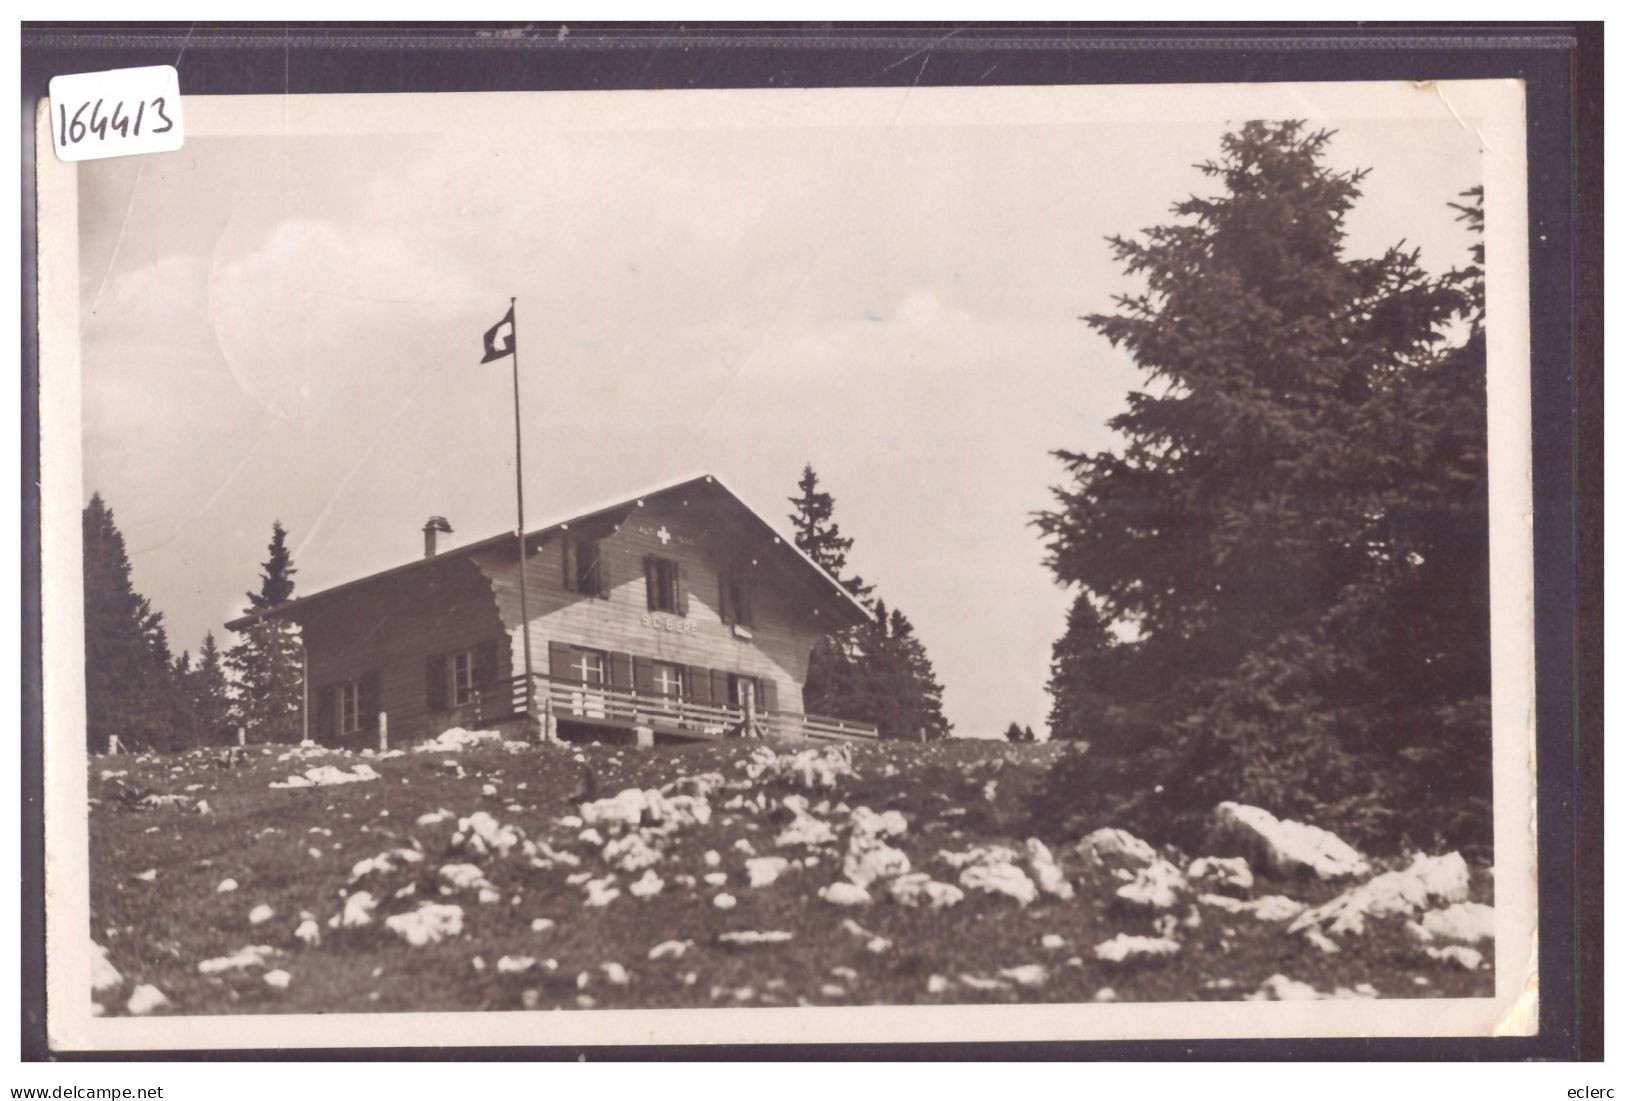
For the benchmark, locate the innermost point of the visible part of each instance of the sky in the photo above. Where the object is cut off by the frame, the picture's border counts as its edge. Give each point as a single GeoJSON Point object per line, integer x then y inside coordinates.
{"type": "Point", "coordinates": [288, 327]}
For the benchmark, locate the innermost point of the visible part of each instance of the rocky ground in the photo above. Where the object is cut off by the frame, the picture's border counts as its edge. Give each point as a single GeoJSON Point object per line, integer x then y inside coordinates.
{"type": "Point", "coordinates": [483, 874]}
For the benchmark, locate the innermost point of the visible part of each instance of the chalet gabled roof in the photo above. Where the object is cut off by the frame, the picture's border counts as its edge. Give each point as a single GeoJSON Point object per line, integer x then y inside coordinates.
{"type": "Point", "coordinates": [821, 577]}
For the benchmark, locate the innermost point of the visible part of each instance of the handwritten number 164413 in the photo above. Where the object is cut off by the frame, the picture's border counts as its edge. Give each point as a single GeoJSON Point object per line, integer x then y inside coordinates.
{"type": "Point", "coordinates": [119, 121]}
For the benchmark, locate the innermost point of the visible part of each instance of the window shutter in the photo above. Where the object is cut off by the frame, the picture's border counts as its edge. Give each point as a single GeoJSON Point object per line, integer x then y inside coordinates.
{"type": "Point", "coordinates": [769, 700]}
{"type": "Point", "coordinates": [369, 701]}
{"type": "Point", "coordinates": [567, 554]}
{"type": "Point", "coordinates": [327, 713]}
{"type": "Point", "coordinates": [620, 672]}
{"type": "Point", "coordinates": [486, 656]}
{"type": "Point", "coordinates": [643, 674]}
{"type": "Point", "coordinates": [719, 687]}
{"type": "Point", "coordinates": [680, 597]}
{"type": "Point", "coordinates": [699, 684]}
{"type": "Point", "coordinates": [651, 582]}
{"type": "Point", "coordinates": [725, 607]}
{"type": "Point", "coordinates": [437, 681]}
{"type": "Point", "coordinates": [558, 663]}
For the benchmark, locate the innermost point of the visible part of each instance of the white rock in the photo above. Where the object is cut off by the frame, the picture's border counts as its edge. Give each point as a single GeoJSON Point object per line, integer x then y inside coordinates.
{"type": "Point", "coordinates": [600, 893]}
{"type": "Point", "coordinates": [456, 740]}
{"type": "Point", "coordinates": [844, 894]}
{"type": "Point", "coordinates": [646, 886]}
{"type": "Point", "coordinates": [764, 871]}
{"type": "Point", "coordinates": [251, 956]}
{"type": "Point", "coordinates": [1027, 974]}
{"type": "Point", "coordinates": [430, 923]}
{"type": "Point", "coordinates": [308, 933]}
{"type": "Point", "coordinates": [937, 984]}
{"type": "Point", "coordinates": [1467, 922]}
{"type": "Point", "coordinates": [1052, 942]}
{"type": "Point", "coordinates": [1000, 879]}
{"type": "Point", "coordinates": [615, 974]}
{"type": "Point", "coordinates": [226, 886]}
{"type": "Point", "coordinates": [625, 808]}
{"type": "Point", "coordinates": [712, 858]}
{"type": "Point", "coordinates": [542, 925]}
{"type": "Point", "coordinates": [464, 877]}
{"type": "Point", "coordinates": [358, 910]}
{"type": "Point", "coordinates": [1045, 873]}
{"type": "Point", "coordinates": [480, 834]}
{"type": "Point", "coordinates": [670, 949]}
{"type": "Point", "coordinates": [145, 999]}
{"type": "Point", "coordinates": [147, 876]}
{"type": "Point", "coordinates": [103, 975]}
{"type": "Point", "coordinates": [1105, 994]}
{"type": "Point", "coordinates": [868, 859]}
{"type": "Point", "coordinates": [1226, 874]}
{"type": "Point", "coordinates": [515, 965]}
{"type": "Point", "coordinates": [260, 914]}
{"type": "Point", "coordinates": [1284, 846]}
{"type": "Point", "coordinates": [278, 979]}
{"type": "Point", "coordinates": [435, 817]}
{"type": "Point", "coordinates": [919, 889]}
{"type": "Point", "coordinates": [1157, 886]}
{"type": "Point", "coordinates": [753, 937]}
{"type": "Point", "coordinates": [629, 852]}
{"type": "Point", "coordinates": [1124, 948]}
{"type": "Point", "coordinates": [1279, 988]}
{"type": "Point", "coordinates": [1429, 880]}
{"type": "Point", "coordinates": [1468, 959]}
{"type": "Point", "coordinates": [725, 902]}
{"type": "Point", "coordinates": [1115, 846]}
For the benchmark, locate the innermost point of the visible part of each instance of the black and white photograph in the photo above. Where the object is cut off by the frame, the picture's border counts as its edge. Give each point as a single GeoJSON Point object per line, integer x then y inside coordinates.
{"type": "Point", "coordinates": [1034, 563]}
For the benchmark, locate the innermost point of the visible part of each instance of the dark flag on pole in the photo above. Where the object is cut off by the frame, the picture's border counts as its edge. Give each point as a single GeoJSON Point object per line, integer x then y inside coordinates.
{"type": "Point", "coordinates": [493, 350]}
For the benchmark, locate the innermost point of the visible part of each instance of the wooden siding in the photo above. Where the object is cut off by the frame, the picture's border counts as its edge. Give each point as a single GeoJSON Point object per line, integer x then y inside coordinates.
{"type": "Point", "coordinates": [390, 628]}
{"type": "Point", "coordinates": [706, 536]}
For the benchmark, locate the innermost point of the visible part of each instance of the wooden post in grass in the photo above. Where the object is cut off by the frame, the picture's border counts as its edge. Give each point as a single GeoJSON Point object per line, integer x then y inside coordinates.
{"type": "Point", "coordinates": [383, 732]}
{"type": "Point", "coordinates": [242, 736]}
{"type": "Point", "coordinates": [112, 745]}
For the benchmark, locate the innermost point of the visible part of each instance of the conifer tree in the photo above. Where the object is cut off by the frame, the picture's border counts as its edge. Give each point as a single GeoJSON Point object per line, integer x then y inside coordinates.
{"type": "Point", "coordinates": [1288, 543]}
{"type": "Point", "coordinates": [210, 694]}
{"type": "Point", "coordinates": [267, 663]}
{"type": "Point", "coordinates": [878, 672]}
{"type": "Point", "coordinates": [129, 691]}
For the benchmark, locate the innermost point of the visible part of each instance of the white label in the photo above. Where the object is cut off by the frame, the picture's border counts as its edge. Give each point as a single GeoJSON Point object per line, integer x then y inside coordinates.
{"type": "Point", "coordinates": [116, 113]}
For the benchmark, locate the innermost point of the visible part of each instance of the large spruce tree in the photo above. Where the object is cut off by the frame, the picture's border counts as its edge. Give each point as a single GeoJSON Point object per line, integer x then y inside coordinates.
{"type": "Point", "coordinates": [1281, 572]}
{"type": "Point", "coordinates": [878, 672]}
{"type": "Point", "coordinates": [130, 690]}
{"type": "Point", "coordinates": [266, 662]}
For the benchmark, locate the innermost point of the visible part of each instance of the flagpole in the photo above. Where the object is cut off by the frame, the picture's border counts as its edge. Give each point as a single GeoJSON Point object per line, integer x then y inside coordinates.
{"type": "Point", "coordinates": [519, 494]}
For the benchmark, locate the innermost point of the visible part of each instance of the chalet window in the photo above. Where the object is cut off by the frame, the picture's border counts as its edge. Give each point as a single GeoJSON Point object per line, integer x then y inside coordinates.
{"type": "Point", "coordinates": [589, 667]}
{"type": "Point", "coordinates": [669, 680]}
{"type": "Point", "coordinates": [736, 605]}
{"type": "Point", "coordinates": [584, 567]}
{"type": "Point", "coordinates": [664, 579]}
{"type": "Point", "coordinates": [464, 677]}
{"type": "Point", "coordinates": [350, 707]}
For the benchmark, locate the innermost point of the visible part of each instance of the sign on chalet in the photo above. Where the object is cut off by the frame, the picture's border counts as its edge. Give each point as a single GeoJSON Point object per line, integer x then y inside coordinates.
{"type": "Point", "coordinates": [676, 613]}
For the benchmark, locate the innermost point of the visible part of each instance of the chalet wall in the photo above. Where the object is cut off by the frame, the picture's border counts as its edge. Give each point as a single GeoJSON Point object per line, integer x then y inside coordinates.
{"type": "Point", "coordinates": [705, 536]}
{"type": "Point", "coordinates": [390, 628]}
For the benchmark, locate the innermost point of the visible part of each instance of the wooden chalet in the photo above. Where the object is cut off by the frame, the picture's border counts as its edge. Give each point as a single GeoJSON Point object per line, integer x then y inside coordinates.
{"type": "Point", "coordinates": [677, 613]}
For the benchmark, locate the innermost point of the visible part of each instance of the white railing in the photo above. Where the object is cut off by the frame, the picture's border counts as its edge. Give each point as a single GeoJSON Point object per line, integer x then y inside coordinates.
{"type": "Point", "coordinates": [565, 699]}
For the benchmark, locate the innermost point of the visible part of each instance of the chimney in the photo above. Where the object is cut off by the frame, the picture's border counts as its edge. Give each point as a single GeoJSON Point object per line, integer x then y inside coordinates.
{"type": "Point", "coordinates": [434, 524]}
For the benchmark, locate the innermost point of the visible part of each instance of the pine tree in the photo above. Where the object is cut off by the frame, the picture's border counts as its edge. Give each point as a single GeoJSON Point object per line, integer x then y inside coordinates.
{"type": "Point", "coordinates": [1271, 536]}
{"type": "Point", "coordinates": [267, 663]}
{"type": "Point", "coordinates": [878, 672]}
{"type": "Point", "coordinates": [129, 691]}
{"type": "Point", "coordinates": [1019, 735]}
{"type": "Point", "coordinates": [210, 694]}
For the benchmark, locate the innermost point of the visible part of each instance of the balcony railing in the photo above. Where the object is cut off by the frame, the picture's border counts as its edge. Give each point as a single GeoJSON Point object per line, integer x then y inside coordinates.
{"type": "Point", "coordinates": [573, 701]}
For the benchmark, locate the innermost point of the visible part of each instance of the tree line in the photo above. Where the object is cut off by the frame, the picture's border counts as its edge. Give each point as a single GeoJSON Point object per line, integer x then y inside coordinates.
{"type": "Point", "coordinates": [151, 699]}
{"type": "Point", "coordinates": [1281, 572]}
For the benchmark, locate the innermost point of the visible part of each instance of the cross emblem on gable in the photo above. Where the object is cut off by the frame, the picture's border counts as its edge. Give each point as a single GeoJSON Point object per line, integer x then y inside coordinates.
{"type": "Point", "coordinates": [663, 535]}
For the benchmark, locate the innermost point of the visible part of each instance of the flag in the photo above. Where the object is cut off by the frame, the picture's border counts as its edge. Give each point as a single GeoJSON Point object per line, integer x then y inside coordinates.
{"type": "Point", "coordinates": [493, 350]}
